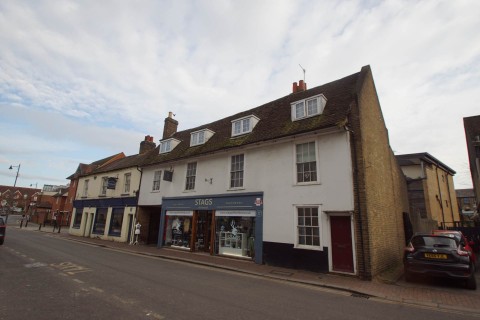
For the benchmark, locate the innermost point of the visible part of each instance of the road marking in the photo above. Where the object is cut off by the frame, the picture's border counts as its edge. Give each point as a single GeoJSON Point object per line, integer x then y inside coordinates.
{"type": "Point", "coordinates": [35, 265]}
{"type": "Point", "coordinates": [70, 268]}
{"type": "Point", "coordinates": [153, 314]}
{"type": "Point", "coordinates": [78, 281]}
{"type": "Point", "coordinates": [97, 289]}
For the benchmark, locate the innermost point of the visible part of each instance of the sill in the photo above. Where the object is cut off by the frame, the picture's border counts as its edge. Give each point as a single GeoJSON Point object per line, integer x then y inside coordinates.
{"type": "Point", "coordinates": [114, 234]}
{"type": "Point", "coordinates": [83, 197]}
{"type": "Point", "coordinates": [306, 117]}
{"type": "Point", "coordinates": [305, 247]}
{"type": "Point", "coordinates": [75, 227]}
{"type": "Point", "coordinates": [239, 135]}
{"type": "Point", "coordinates": [236, 189]}
{"type": "Point", "coordinates": [302, 184]}
{"type": "Point", "coordinates": [189, 191]}
{"type": "Point", "coordinates": [124, 194]}
{"type": "Point", "coordinates": [155, 191]}
{"type": "Point", "coordinates": [102, 195]}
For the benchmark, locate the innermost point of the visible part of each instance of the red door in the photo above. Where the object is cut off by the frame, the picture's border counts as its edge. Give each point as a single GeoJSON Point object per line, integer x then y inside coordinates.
{"type": "Point", "coordinates": [342, 253]}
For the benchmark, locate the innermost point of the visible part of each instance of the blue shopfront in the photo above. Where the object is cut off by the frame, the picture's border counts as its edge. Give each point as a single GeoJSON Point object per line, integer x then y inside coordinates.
{"type": "Point", "coordinates": [224, 224]}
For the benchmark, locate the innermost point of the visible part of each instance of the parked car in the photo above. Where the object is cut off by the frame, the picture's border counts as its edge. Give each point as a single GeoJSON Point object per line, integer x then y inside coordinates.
{"type": "Point", "coordinates": [3, 229]}
{"type": "Point", "coordinates": [468, 245]}
{"type": "Point", "coordinates": [439, 255]}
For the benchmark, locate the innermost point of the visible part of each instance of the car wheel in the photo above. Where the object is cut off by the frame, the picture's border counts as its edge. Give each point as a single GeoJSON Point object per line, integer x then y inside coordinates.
{"type": "Point", "coordinates": [472, 282]}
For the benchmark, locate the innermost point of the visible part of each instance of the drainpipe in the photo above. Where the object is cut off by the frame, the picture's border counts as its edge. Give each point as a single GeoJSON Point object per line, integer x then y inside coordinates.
{"type": "Point", "coordinates": [440, 200]}
{"type": "Point", "coordinates": [450, 199]}
{"type": "Point", "coordinates": [135, 218]}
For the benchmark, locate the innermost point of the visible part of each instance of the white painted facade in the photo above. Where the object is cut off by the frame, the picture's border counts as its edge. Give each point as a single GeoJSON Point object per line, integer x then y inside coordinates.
{"type": "Point", "coordinates": [111, 197]}
{"type": "Point", "coordinates": [270, 168]}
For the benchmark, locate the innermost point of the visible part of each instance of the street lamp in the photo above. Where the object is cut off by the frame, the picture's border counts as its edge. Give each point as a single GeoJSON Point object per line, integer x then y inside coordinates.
{"type": "Point", "coordinates": [18, 170]}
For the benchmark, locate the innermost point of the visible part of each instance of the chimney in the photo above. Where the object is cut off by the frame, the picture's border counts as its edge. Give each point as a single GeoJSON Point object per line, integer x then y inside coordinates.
{"type": "Point", "coordinates": [170, 126]}
{"type": "Point", "coordinates": [302, 86]}
{"type": "Point", "coordinates": [147, 145]}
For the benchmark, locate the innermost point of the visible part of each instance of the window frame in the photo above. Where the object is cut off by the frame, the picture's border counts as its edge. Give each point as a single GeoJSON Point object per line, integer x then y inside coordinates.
{"type": "Point", "coordinates": [190, 176]}
{"type": "Point", "coordinates": [127, 181]}
{"type": "Point", "coordinates": [233, 172]}
{"type": "Point", "coordinates": [85, 188]}
{"type": "Point", "coordinates": [320, 106]}
{"type": "Point", "coordinates": [156, 183]}
{"type": "Point", "coordinates": [296, 167]}
{"type": "Point", "coordinates": [103, 187]}
{"type": "Point", "coordinates": [239, 126]}
{"type": "Point", "coordinates": [318, 227]}
{"type": "Point", "coordinates": [168, 145]}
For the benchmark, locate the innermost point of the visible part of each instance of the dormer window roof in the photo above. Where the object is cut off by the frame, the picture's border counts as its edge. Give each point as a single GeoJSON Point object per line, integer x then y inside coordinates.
{"type": "Point", "coordinates": [168, 145]}
{"type": "Point", "coordinates": [200, 137]}
{"type": "Point", "coordinates": [244, 125]}
{"type": "Point", "coordinates": [308, 107]}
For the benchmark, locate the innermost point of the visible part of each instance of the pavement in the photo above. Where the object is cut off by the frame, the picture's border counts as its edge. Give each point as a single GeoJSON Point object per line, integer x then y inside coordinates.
{"type": "Point", "coordinates": [387, 287]}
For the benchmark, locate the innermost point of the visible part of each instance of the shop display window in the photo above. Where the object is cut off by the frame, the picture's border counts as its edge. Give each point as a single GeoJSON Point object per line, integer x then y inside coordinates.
{"type": "Point", "coordinates": [179, 231]}
{"type": "Point", "coordinates": [235, 236]}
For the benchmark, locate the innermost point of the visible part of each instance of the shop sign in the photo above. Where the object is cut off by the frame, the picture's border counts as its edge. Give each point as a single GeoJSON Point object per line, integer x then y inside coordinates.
{"type": "Point", "coordinates": [235, 213]}
{"type": "Point", "coordinates": [203, 202]}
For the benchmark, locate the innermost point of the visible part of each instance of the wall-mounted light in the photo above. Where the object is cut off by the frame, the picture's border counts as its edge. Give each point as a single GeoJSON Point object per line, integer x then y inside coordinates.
{"type": "Point", "coordinates": [209, 180]}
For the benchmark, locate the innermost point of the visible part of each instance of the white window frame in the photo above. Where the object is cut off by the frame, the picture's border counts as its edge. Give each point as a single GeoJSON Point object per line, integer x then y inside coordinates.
{"type": "Point", "coordinates": [168, 145]}
{"type": "Point", "coordinates": [200, 137]}
{"type": "Point", "coordinates": [306, 112]}
{"type": "Point", "coordinates": [85, 188]}
{"type": "Point", "coordinates": [126, 185]}
{"type": "Point", "coordinates": [156, 183]}
{"type": "Point", "coordinates": [190, 175]}
{"type": "Point", "coordinates": [231, 172]}
{"type": "Point", "coordinates": [244, 125]}
{"type": "Point", "coordinates": [297, 243]}
{"type": "Point", "coordinates": [317, 168]}
{"type": "Point", "coordinates": [103, 187]}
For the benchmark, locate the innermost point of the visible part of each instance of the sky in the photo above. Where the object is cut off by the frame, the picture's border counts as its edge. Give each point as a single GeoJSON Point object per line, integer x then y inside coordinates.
{"type": "Point", "coordinates": [83, 80]}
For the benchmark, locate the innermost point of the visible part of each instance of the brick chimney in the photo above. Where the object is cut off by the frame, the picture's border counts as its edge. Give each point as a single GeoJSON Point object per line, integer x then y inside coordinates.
{"type": "Point", "coordinates": [170, 126]}
{"type": "Point", "coordinates": [147, 145]}
{"type": "Point", "coordinates": [302, 86]}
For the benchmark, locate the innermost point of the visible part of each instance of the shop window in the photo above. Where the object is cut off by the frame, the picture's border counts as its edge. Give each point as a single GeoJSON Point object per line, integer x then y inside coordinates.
{"type": "Point", "coordinates": [191, 174]}
{"type": "Point", "coordinates": [236, 171]}
{"type": "Point", "coordinates": [306, 162]}
{"type": "Point", "coordinates": [100, 220]}
{"type": "Point", "coordinates": [308, 228]}
{"type": "Point", "coordinates": [77, 220]}
{"type": "Point", "coordinates": [179, 231]}
{"type": "Point", "coordinates": [116, 222]}
{"type": "Point", "coordinates": [235, 235]}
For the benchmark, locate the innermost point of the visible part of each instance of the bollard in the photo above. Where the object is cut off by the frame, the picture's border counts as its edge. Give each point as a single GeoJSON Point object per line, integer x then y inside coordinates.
{"type": "Point", "coordinates": [39, 226]}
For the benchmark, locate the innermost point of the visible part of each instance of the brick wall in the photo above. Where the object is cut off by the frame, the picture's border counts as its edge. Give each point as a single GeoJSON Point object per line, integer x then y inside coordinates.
{"type": "Point", "coordinates": [381, 191]}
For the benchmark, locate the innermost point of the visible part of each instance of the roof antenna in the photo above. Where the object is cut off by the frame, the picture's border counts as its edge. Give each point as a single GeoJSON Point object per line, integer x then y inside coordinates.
{"type": "Point", "coordinates": [303, 72]}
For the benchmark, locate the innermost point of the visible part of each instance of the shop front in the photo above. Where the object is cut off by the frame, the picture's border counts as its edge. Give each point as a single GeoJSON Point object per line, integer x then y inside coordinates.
{"type": "Point", "coordinates": [229, 225]}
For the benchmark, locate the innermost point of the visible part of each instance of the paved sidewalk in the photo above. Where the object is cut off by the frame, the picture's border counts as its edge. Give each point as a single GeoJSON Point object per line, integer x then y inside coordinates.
{"type": "Point", "coordinates": [385, 287]}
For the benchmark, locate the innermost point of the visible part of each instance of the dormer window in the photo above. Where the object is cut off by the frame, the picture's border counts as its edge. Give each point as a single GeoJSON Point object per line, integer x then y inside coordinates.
{"type": "Point", "coordinates": [308, 107]}
{"type": "Point", "coordinates": [168, 145]}
{"type": "Point", "coordinates": [200, 137]}
{"type": "Point", "coordinates": [244, 125]}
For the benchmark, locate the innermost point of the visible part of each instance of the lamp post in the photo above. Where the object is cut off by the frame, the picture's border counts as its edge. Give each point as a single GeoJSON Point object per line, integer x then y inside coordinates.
{"type": "Point", "coordinates": [16, 177]}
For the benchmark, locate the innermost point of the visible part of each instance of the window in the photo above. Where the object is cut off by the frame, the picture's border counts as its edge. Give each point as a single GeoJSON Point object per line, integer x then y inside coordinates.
{"type": "Point", "coordinates": [100, 220]}
{"type": "Point", "coordinates": [126, 188]}
{"type": "Point", "coordinates": [168, 145]}
{"type": "Point", "coordinates": [85, 188]}
{"type": "Point", "coordinates": [308, 107]}
{"type": "Point", "coordinates": [191, 173]}
{"type": "Point", "coordinates": [103, 190]}
{"type": "Point", "coordinates": [77, 220]}
{"type": "Point", "coordinates": [156, 180]}
{"type": "Point", "coordinates": [116, 222]}
{"type": "Point", "coordinates": [236, 171]}
{"type": "Point", "coordinates": [244, 125]}
{"type": "Point", "coordinates": [306, 163]}
{"type": "Point", "coordinates": [308, 227]}
{"type": "Point", "coordinates": [200, 137]}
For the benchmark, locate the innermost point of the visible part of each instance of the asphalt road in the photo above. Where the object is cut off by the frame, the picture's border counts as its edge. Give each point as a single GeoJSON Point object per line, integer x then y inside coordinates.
{"type": "Point", "coordinates": [46, 277]}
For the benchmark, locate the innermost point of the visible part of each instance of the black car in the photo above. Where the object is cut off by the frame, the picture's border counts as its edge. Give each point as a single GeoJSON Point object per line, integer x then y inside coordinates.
{"type": "Point", "coordinates": [439, 256]}
{"type": "Point", "coordinates": [3, 228]}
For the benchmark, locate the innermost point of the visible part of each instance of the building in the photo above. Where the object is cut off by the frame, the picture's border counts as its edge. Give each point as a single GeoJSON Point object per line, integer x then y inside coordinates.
{"type": "Point", "coordinates": [306, 181]}
{"type": "Point", "coordinates": [106, 198]}
{"type": "Point", "coordinates": [467, 205]}
{"type": "Point", "coordinates": [61, 213]}
{"type": "Point", "coordinates": [16, 200]}
{"type": "Point", "coordinates": [472, 135]}
{"type": "Point", "coordinates": [432, 198]}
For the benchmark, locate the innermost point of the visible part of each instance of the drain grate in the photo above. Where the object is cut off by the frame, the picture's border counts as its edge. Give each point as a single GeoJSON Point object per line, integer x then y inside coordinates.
{"type": "Point", "coordinates": [360, 295]}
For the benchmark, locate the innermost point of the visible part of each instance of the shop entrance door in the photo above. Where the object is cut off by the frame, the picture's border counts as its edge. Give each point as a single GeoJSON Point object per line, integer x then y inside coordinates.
{"type": "Point", "coordinates": [203, 232]}
{"type": "Point", "coordinates": [342, 252]}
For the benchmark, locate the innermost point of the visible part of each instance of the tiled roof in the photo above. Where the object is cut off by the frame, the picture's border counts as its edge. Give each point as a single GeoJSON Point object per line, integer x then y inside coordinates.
{"type": "Point", "coordinates": [84, 169]}
{"type": "Point", "coordinates": [124, 163]}
{"type": "Point", "coordinates": [275, 122]}
{"type": "Point", "coordinates": [465, 193]}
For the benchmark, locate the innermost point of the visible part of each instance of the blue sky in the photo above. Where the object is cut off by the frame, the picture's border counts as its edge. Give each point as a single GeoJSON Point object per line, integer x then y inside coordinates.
{"type": "Point", "coordinates": [83, 80]}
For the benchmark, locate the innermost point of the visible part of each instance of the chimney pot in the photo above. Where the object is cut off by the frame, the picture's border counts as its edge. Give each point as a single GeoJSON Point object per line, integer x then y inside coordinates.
{"type": "Point", "coordinates": [294, 87]}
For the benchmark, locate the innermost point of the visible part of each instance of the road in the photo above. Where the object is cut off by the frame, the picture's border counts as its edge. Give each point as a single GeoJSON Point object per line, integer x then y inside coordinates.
{"type": "Point", "coordinates": [46, 277]}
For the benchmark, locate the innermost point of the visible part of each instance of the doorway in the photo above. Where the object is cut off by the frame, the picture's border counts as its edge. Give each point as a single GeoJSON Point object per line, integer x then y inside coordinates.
{"type": "Point", "coordinates": [203, 231]}
{"type": "Point", "coordinates": [342, 250]}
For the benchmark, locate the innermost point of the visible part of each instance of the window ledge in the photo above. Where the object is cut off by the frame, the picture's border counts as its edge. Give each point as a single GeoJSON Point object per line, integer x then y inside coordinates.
{"type": "Point", "coordinates": [314, 248]}
{"type": "Point", "coordinates": [236, 189]}
{"type": "Point", "coordinates": [303, 184]}
{"type": "Point", "coordinates": [189, 191]}
{"type": "Point", "coordinates": [124, 194]}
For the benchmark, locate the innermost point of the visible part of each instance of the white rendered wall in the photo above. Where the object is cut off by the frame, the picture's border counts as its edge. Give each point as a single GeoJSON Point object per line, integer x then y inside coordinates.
{"type": "Point", "coordinates": [269, 168]}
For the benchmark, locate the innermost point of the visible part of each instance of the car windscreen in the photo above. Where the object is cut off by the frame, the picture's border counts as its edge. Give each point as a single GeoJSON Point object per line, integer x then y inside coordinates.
{"type": "Point", "coordinates": [434, 241]}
